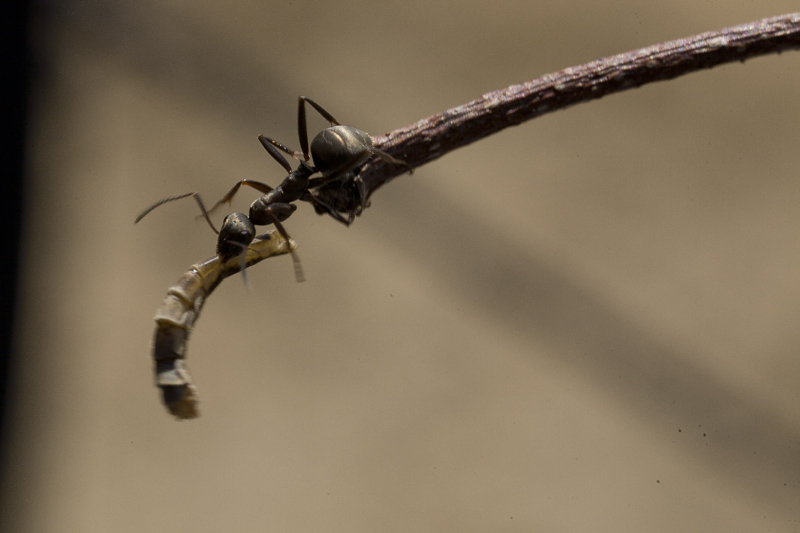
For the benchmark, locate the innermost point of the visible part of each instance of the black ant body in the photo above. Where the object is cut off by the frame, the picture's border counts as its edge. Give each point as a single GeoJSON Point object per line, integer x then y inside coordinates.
{"type": "Point", "coordinates": [338, 153]}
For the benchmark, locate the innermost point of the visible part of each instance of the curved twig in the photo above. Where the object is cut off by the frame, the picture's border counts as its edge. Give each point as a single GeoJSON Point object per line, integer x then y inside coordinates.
{"type": "Point", "coordinates": [435, 136]}
{"type": "Point", "coordinates": [439, 134]}
{"type": "Point", "coordinates": [181, 309]}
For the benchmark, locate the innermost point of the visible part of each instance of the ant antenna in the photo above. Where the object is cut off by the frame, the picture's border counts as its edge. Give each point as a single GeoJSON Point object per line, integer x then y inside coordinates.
{"type": "Point", "coordinates": [179, 197]}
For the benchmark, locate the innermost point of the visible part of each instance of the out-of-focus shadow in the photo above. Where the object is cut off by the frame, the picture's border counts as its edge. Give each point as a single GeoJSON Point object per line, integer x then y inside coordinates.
{"type": "Point", "coordinates": [651, 380]}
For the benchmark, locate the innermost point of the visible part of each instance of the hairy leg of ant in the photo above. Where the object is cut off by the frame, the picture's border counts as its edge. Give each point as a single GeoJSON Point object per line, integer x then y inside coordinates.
{"type": "Point", "coordinates": [257, 185]}
{"type": "Point", "coordinates": [298, 268]}
{"type": "Point", "coordinates": [362, 191]}
{"type": "Point", "coordinates": [179, 197]}
{"type": "Point", "coordinates": [302, 130]}
{"type": "Point", "coordinates": [320, 109]}
{"type": "Point", "coordinates": [389, 159]}
{"type": "Point", "coordinates": [350, 172]}
{"type": "Point", "coordinates": [271, 146]}
{"type": "Point", "coordinates": [323, 207]}
{"type": "Point", "coordinates": [346, 192]}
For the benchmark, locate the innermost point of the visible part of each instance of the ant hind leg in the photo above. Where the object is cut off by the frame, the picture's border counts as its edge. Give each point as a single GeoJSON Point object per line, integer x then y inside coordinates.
{"type": "Point", "coordinates": [302, 130]}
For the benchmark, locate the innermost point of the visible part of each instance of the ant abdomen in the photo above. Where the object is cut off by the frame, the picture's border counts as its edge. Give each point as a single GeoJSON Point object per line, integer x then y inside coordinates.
{"type": "Point", "coordinates": [338, 149]}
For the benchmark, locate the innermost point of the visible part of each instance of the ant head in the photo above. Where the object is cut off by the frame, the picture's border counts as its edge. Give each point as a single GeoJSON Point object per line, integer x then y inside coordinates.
{"type": "Point", "coordinates": [235, 236]}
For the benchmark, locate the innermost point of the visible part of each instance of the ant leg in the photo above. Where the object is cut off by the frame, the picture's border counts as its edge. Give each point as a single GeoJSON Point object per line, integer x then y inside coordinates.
{"type": "Point", "coordinates": [362, 191]}
{"type": "Point", "coordinates": [302, 130]}
{"type": "Point", "coordinates": [321, 111]}
{"type": "Point", "coordinates": [178, 197]}
{"type": "Point", "coordinates": [298, 268]}
{"type": "Point", "coordinates": [347, 192]}
{"type": "Point", "coordinates": [389, 159]}
{"type": "Point", "coordinates": [270, 146]}
{"type": "Point", "coordinates": [257, 185]}
{"type": "Point", "coordinates": [205, 213]}
{"type": "Point", "coordinates": [321, 207]}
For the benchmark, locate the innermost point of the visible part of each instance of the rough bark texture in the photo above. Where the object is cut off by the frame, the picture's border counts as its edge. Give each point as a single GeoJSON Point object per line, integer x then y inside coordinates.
{"type": "Point", "coordinates": [435, 136]}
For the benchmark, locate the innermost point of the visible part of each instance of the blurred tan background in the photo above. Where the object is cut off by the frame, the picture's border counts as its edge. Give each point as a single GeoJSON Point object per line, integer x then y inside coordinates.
{"type": "Point", "coordinates": [586, 323]}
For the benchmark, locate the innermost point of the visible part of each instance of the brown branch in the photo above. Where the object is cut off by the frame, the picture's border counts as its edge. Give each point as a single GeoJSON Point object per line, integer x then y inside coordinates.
{"type": "Point", "coordinates": [435, 136]}
{"type": "Point", "coordinates": [439, 134]}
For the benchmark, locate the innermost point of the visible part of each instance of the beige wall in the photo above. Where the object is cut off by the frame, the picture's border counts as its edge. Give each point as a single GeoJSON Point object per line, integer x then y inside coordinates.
{"type": "Point", "coordinates": [586, 323]}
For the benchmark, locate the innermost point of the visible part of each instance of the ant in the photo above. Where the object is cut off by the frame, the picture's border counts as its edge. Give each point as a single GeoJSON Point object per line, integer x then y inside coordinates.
{"type": "Point", "coordinates": [337, 151]}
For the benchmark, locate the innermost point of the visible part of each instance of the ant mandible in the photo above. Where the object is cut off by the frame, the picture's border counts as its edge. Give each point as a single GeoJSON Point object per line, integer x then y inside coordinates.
{"type": "Point", "coordinates": [337, 151]}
